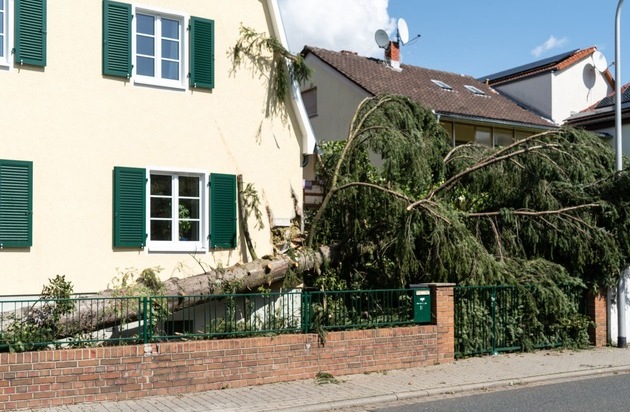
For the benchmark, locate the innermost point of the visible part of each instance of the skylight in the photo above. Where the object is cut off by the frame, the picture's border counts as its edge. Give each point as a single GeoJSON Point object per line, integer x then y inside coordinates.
{"type": "Point", "coordinates": [475, 90]}
{"type": "Point", "coordinates": [442, 84]}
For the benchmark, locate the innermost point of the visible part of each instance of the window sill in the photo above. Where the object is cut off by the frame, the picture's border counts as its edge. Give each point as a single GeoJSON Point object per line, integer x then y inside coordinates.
{"type": "Point", "coordinates": [149, 81]}
{"type": "Point", "coordinates": [176, 247]}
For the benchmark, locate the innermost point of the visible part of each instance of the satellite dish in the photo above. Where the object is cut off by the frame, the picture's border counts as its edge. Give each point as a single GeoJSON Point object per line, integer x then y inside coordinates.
{"type": "Point", "coordinates": [599, 61]}
{"type": "Point", "coordinates": [382, 39]}
{"type": "Point", "coordinates": [403, 31]}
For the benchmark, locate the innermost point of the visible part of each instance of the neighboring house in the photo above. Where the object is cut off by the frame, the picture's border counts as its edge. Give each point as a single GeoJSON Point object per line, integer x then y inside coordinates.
{"type": "Point", "coordinates": [467, 108]}
{"type": "Point", "coordinates": [124, 131]}
{"type": "Point", "coordinates": [600, 118]}
{"type": "Point", "coordinates": [558, 86]}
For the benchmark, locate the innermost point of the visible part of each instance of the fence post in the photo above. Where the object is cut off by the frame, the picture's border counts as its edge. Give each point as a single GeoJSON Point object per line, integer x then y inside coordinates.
{"type": "Point", "coordinates": [145, 326]}
{"type": "Point", "coordinates": [493, 303]}
{"type": "Point", "coordinates": [597, 311]}
{"type": "Point", "coordinates": [443, 313]}
{"type": "Point", "coordinates": [306, 306]}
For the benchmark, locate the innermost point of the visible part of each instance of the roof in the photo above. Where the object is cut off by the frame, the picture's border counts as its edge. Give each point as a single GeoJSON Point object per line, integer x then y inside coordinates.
{"type": "Point", "coordinates": [550, 64]}
{"type": "Point", "coordinates": [376, 78]}
{"type": "Point", "coordinates": [610, 99]}
{"type": "Point", "coordinates": [602, 110]}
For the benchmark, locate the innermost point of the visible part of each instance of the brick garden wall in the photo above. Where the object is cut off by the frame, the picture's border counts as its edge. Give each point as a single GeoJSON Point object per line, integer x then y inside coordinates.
{"type": "Point", "coordinates": [60, 377]}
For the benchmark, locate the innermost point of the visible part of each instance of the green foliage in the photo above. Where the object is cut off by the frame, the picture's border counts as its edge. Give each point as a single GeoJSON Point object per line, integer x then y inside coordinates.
{"type": "Point", "coordinates": [322, 378]}
{"type": "Point", "coordinates": [41, 323]}
{"type": "Point", "coordinates": [270, 58]}
{"type": "Point", "coordinates": [546, 211]}
{"type": "Point", "coordinates": [147, 283]}
{"type": "Point", "coordinates": [129, 282]}
{"type": "Point", "coordinates": [490, 319]}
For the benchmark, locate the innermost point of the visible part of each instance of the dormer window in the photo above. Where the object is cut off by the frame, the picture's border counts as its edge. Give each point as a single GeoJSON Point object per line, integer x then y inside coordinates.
{"type": "Point", "coordinates": [442, 85]}
{"type": "Point", "coordinates": [475, 90]}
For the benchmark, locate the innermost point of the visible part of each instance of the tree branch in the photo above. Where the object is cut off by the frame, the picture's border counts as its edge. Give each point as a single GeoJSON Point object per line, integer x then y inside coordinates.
{"type": "Point", "coordinates": [522, 212]}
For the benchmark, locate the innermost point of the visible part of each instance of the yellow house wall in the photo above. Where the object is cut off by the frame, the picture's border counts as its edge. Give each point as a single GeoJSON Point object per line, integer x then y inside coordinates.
{"type": "Point", "coordinates": [76, 125]}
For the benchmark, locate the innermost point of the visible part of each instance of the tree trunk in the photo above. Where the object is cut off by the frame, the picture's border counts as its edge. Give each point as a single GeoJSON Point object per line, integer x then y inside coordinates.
{"type": "Point", "coordinates": [95, 314]}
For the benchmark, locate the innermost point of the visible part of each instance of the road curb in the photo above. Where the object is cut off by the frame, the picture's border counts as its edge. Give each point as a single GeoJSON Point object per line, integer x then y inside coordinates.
{"type": "Point", "coordinates": [458, 389]}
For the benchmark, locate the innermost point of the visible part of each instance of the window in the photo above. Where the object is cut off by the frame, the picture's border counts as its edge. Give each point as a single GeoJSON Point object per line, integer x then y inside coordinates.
{"type": "Point", "coordinates": [16, 203]}
{"type": "Point", "coordinates": [483, 135]}
{"type": "Point", "coordinates": [4, 38]}
{"type": "Point", "coordinates": [474, 90]}
{"type": "Point", "coordinates": [442, 85]}
{"type": "Point", "coordinates": [175, 210]}
{"type": "Point", "coordinates": [158, 49]}
{"type": "Point", "coordinates": [309, 97]}
{"type": "Point", "coordinates": [503, 137]}
{"type": "Point", "coordinates": [154, 49]}
{"type": "Point", "coordinates": [172, 210]}
{"type": "Point", "coordinates": [463, 133]}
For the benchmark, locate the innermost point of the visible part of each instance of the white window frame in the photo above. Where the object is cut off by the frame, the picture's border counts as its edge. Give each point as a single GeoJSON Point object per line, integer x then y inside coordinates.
{"type": "Point", "coordinates": [176, 245]}
{"type": "Point", "coordinates": [474, 90]}
{"type": "Point", "coordinates": [5, 61]}
{"type": "Point", "coordinates": [183, 53]}
{"type": "Point", "coordinates": [442, 85]}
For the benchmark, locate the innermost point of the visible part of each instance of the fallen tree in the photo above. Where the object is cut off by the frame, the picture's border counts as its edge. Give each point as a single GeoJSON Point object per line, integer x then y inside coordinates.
{"type": "Point", "coordinates": [57, 315]}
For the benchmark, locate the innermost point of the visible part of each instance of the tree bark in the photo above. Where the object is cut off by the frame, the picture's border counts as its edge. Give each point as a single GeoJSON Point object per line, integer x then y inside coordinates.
{"type": "Point", "coordinates": [95, 313]}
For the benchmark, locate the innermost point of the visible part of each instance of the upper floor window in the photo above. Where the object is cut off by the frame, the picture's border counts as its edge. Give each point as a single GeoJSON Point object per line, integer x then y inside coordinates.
{"type": "Point", "coordinates": [309, 97]}
{"type": "Point", "coordinates": [4, 39]}
{"type": "Point", "coordinates": [3, 33]}
{"type": "Point", "coordinates": [159, 49]}
{"type": "Point", "coordinates": [155, 49]}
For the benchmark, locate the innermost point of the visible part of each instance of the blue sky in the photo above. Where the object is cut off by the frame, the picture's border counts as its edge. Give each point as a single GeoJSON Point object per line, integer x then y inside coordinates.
{"type": "Point", "coordinates": [469, 37]}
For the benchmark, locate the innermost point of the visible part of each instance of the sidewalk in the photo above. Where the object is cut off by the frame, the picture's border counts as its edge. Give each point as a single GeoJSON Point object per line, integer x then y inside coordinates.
{"type": "Point", "coordinates": [356, 390]}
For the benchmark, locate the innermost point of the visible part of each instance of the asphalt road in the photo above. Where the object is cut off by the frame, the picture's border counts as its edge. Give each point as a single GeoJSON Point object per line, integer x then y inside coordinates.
{"type": "Point", "coordinates": [608, 393]}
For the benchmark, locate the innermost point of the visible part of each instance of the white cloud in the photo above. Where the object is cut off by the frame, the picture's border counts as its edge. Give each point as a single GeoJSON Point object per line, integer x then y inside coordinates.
{"type": "Point", "coordinates": [551, 43]}
{"type": "Point", "coordinates": [336, 24]}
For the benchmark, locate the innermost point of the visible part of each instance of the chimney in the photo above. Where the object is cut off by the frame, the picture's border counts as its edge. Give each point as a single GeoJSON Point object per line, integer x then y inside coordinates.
{"type": "Point", "coordinates": [392, 55]}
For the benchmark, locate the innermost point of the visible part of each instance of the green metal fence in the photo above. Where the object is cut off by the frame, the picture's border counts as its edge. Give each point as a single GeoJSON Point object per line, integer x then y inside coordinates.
{"type": "Point", "coordinates": [335, 310]}
{"type": "Point", "coordinates": [76, 322]}
{"type": "Point", "coordinates": [493, 319]}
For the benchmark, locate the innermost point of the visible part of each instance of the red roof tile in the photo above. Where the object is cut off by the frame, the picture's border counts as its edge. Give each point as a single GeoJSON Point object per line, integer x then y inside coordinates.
{"type": "Point", "coordinates": [376, 77]}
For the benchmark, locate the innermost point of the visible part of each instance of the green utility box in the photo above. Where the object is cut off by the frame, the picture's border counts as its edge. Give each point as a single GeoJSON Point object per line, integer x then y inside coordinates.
{"type": "Point", "coordinates": [422, 305]}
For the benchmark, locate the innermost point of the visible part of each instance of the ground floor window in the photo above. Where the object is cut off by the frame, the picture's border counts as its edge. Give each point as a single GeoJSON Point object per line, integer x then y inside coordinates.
{"type": "Point", "coordinates": [176, 204]}
{"type": "Point", "coordinates": [174, 211]}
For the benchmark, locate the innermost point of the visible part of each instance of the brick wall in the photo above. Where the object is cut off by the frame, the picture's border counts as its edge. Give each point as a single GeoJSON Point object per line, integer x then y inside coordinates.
{"type": "Point", "coordinates": [597, 311]}
{"type": "Point", "coordinates": [60, 377]}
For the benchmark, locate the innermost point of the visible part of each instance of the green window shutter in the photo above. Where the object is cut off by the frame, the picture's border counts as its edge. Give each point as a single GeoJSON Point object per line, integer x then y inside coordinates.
{"type": "Point", "coordinates": [222, 211]}
{"type": "Point", "coordinates": [16, 203]}
{"type": "Point", "coordinates": [116, 39]}
{"type": "Point", "coordinates": [30, 32]}
{"type": "Point", "coordinates": [129, 207]}
{"type": "Point", "coordinates": [201, 53]}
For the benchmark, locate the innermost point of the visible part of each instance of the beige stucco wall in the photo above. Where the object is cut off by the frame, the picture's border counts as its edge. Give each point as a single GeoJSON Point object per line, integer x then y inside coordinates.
{"type": "Point", "coordinates": [76, 126]}
{"type": "Point", "coordinates": [337, 101]}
